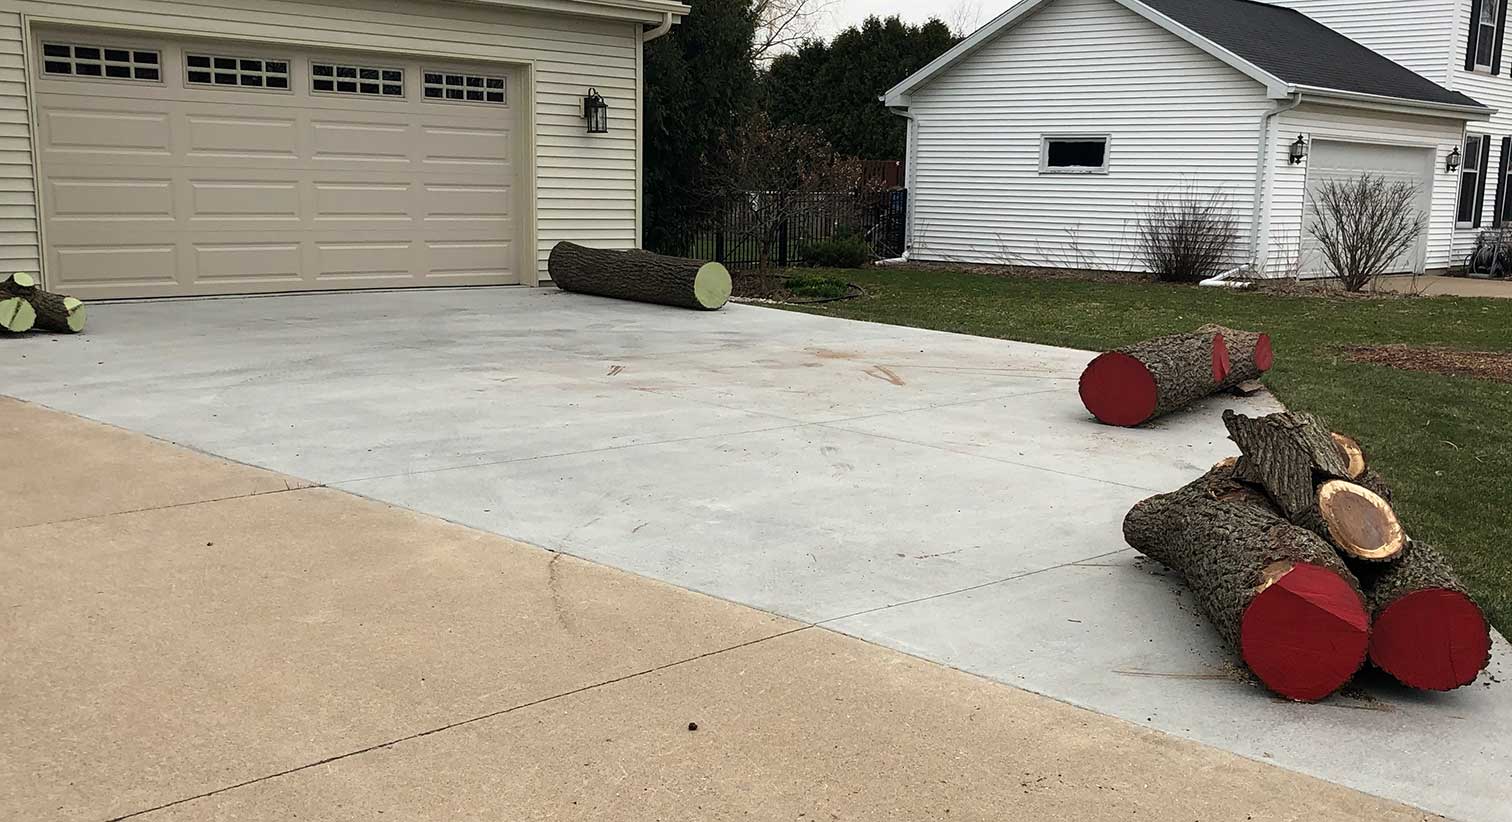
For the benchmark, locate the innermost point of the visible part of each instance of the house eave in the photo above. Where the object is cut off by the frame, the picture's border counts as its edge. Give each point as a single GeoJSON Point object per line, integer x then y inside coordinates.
{"type": "Point", "coordinates": [640, 11]}
{"type": "Point", "coordinates": [1375, 102]}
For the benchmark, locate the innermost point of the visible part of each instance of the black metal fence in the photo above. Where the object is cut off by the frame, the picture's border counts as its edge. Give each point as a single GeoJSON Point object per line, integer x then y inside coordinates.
{"type": "Point", "coordinates": [733, 233]}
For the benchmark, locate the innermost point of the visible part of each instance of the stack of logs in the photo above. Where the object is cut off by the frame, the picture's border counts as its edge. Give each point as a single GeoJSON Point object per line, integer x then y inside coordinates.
{"type": "Point", "coordinates": [1295, 553]}
{"type": "Point", "coordinates": [25, 305]}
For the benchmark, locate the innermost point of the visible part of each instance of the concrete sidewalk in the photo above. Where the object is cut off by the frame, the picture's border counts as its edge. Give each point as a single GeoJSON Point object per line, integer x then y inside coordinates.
{"type": "Point", "coordinates": [194, 639]}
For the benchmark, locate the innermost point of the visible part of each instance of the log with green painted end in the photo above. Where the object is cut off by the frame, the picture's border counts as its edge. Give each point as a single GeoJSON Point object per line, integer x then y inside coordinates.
{"type": "Point", "coordinates": [1250, 354]}
{"type": "Point", "coordinates": [1137, 383]}
{"type": "Point", "coordinates": [1276, 592]}
{"type": "Point", "coordinates": [1428, 632]}
{"type": "Point", "coordinates": [17, 315]}
{"type": "Point", "coordinates": [640, 276]}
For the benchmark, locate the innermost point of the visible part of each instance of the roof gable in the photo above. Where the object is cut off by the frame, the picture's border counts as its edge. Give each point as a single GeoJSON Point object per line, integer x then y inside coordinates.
{"type": "Point", "coordinates": [1282, 49]}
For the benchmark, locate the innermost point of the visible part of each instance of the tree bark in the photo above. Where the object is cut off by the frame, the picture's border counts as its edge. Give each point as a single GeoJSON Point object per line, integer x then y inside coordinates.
{"type": "Point", "coordinates": [16, 314]}
{"type": "Point", "coordinates": [1249, 355]}
{"type": "Point", "coordinates": [1276, 592]}
{"type": "Point", "coordinates": [1428, 632]}
{"type": "Point", "coordinates": [1140, 382]}
{"type": "Point", "coordinates": [640, 276]}
{"type": "Point", "coordinates": [1287, 454]}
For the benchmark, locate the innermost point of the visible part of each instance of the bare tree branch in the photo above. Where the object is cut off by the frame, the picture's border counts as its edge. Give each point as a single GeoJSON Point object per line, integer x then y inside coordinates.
{"type": "Point", "coordinates": [1363, 224]}
{"type": "Point", "coordinates": [783, 25]}
{"type": "Point", "coordinates": [965, 17]}
{"type": "Point", "coordinates": [1188, 235]}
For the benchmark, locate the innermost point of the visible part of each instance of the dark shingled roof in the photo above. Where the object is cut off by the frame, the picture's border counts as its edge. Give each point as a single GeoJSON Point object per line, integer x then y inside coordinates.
{"type": "Point", "coordinates": [1302, 51]}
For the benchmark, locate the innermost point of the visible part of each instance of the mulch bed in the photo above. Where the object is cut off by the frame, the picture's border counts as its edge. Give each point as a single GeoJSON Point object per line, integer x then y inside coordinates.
{"type": "Point", "coordinates": [773, 288]}
{"type": "Point", "coordinates": [1482, 365]}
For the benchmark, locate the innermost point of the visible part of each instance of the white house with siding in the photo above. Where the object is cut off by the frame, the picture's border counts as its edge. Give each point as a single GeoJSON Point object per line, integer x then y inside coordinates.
{"type": "Point", "coordinates": [1044, 136]}
{"type": "Point", "coordinates": [1459, 45]}
{"type": "Point", "coordinates": [189, 147]}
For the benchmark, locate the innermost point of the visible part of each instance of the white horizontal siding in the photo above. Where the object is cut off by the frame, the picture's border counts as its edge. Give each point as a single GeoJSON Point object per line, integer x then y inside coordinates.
{"type": "Point", "coordinates": [1317, 122]}
{"type": "Point", "coordinates": [569, 55]}
{"type": "Point", "coordinates": [1414, 33]}
{"type": "Point", "coordinates": [1494, 91]}
{"type": "Point", "coordinates": [1176, 116]}
{"type": "Point", "coordinates": [18, 199]}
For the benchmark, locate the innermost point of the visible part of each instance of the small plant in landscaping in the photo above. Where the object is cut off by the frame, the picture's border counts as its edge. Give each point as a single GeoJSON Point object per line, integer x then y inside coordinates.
{"type": "Point", "coordinates": [817, 286]}
{"type": "Point", "coordinates": [846, 249]}
{"type": "Point", "coordinates": [1364, 224]}
{"type": "Point", "coordinates": [1188, 236]}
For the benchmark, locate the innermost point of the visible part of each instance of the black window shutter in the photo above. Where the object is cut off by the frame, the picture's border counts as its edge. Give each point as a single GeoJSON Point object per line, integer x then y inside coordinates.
{"type": "Point", "coordinates": [1501, 183]}
{"type": "Point", "coordinates": [1501, 34]}
{"type": "Point", "coordinates": [1475, 8]}
{"type": "Point", "coordinates": [1480, 186]}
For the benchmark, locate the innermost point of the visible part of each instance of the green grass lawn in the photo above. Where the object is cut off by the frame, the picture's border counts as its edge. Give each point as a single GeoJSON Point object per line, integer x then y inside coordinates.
{"type": "Point", "coordinates": [1444, 442]}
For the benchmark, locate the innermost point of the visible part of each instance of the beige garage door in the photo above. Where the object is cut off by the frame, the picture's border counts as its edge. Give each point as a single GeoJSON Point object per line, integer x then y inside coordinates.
{"type": "Point", "coordinates": [184, 168]}
{"type": "Point", "coordinates": [1339, 160]}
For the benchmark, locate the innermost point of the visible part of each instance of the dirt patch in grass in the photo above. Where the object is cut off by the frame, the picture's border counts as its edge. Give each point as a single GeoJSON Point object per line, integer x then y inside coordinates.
{"type": "Point", "coordinates": [798, 288]}
{"type": "Point", "coordinates": [1482, 365]}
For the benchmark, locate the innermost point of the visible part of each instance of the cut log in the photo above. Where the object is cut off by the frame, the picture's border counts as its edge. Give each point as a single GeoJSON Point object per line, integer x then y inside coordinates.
{"type": "Point", "coordinates": [54, 312]}
{"type": "Point", "coordinates": [640, 276]}
{"type": "Point", "coordinates": [1288, 454]}
{"type": "Point", "coordinates": [1250, 355]}
{"type": "Point", "coordinates": [1428, 632]}
{"type": "Point", "coordinates": [16, 314]}
{"type": "Point", "coordinates": [1277, 593]}
{"type": "Point", "coordinates": [1360, 472]}
{"type": "Point", "coordinates": [1137, 383]}
{"type": "Point", "coordinates": [1356, 520]}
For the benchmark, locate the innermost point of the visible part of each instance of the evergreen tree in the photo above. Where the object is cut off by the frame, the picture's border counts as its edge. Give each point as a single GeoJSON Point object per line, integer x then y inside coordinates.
{"type": "Point", "coordinates": [833, 88]}
{"type": "Point", "coordinates": [700, 86]}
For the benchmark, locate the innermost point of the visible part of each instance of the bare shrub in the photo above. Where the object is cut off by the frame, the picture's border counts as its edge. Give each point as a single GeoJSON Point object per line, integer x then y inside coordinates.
{"type": "Point", "coordinates": [1363, 224]}
{"type": "Point", "coordinates": [1188, 235]}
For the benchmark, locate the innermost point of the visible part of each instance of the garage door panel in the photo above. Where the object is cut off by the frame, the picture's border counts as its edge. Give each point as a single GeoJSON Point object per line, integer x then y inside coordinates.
{"type": "Point", "coordinates": [1344, 161]}
{"type": "Point", "coordinates": [161, 189]}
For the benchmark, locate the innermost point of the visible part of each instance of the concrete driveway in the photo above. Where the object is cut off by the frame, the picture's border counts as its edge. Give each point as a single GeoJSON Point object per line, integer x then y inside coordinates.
{"type": "Point", "coordinates": [938, 494]}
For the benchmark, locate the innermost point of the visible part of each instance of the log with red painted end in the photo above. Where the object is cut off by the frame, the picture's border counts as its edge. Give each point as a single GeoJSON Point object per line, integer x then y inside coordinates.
{"type": "Point", "coordinates": [1428, 633]}
{"type": "Point", "coordinates": [1250, 354]}
{"type": "Point", "coordinates": [1278, 593]}
{"type": "Point", "coordinates": [1140, 382]}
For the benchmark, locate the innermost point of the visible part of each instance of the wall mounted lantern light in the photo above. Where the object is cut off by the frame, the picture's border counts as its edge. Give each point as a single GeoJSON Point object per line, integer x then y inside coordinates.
{"type": "Point", "coordinates": [1453, 162]}
{"type": "Point", "coordinates": [596, 112]}
{"type": "Point", "coordinates": [1299, 150]}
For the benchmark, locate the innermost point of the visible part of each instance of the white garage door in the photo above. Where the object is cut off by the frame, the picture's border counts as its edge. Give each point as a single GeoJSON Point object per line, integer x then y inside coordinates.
{"type": "Point", "coordinates": [1334, 160]}
{"type": "Point", "coordinates": [183, 168]}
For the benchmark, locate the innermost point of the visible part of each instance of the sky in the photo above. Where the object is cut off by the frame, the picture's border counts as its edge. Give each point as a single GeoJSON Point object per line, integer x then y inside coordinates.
{"type": "Point", "coordinates": [847, 13]}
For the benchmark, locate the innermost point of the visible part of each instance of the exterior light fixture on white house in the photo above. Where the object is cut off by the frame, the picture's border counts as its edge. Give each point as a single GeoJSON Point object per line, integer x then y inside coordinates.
{"type": "Point", "coordinates": [596, 112]}
{"type": "Point", "coordinates": [1453, 163]}
{"type": "Point", "coordinates": [1299, 150]}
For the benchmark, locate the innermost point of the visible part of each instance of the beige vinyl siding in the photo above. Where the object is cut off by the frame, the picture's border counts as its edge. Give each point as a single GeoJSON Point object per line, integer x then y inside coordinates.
{"type": "Point", "coordinates": [18, 199]}
{"type": "Point", "coordinates": [585, 186]}
{"type": "Point", "coordinates": [1176, 117]}
{"type": "Point", "coordinates": [1414, 33]}
{"type": "Point", "coordinates": [1319, 122]}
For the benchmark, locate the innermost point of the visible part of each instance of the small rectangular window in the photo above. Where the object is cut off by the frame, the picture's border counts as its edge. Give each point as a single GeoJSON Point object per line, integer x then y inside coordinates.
{"type": "Point", "coordinates": [465, 88]}
{"type": "Point", "coordinates": [370, 81]}
{"type": "Point", "coordinates": [238, 72]}
{"type": "Point", "coordinates": [100, 61]}
{"type": "Point", "coordinates": [1470, 190]}
{"type": "Point", "coordinates": [1074, 155]}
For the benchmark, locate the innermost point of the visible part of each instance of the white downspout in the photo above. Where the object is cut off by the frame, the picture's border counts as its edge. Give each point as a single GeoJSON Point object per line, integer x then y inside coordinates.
{"type": "Point", "coordinates": [1263, 172]}
{"type": "Point", "coordinates": [663, 28]}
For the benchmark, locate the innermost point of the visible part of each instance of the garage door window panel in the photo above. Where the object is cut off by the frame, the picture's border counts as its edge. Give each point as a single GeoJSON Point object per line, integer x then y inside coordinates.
{"type": "Point", "coordinates": [92, 62]}
{"type": "Point", "coordinates": [368, 81]}
{"type": "Point", "coordinates": [227, 71]}
{"type": "Point", "coordinates": [455, 87]}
